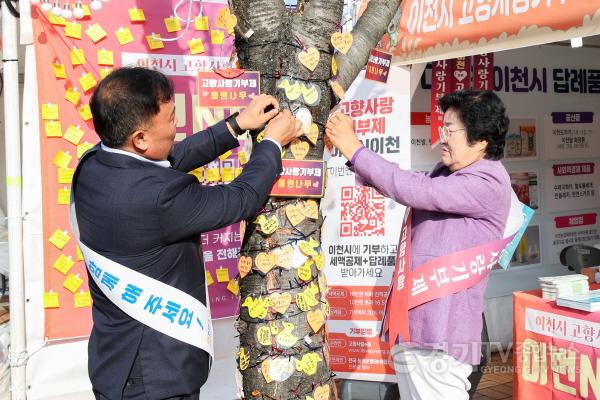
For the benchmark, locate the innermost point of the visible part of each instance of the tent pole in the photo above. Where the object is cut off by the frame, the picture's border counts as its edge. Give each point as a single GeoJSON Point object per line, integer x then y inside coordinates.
{"type": "Point", "coordinates": [12, 134]}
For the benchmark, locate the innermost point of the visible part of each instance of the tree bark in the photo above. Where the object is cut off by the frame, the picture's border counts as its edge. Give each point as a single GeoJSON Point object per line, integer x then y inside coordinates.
{"type": "Point", "coordinates": [278, 36]}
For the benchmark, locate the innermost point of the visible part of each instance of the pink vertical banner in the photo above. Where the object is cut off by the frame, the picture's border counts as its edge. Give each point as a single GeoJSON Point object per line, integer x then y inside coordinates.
{"type": "Point", "coordinates": [220, 250]}
{"type": "Point", "coordinates": [461, 73]}
{"type": "Point", "coordinates": [441, 83]}
{"type": "Point", "coordinates": [483, 71]}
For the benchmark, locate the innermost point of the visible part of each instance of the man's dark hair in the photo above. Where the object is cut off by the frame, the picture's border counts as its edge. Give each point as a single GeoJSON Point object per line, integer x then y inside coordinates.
{"type": "Point", "coordinates": [126, 100]}
{"type": "Point", "coordinates": [484, 116]}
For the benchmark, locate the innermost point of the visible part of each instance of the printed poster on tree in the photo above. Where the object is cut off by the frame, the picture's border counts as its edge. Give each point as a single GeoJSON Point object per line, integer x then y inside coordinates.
{"type": "Point", "coordinates": [361, 229]}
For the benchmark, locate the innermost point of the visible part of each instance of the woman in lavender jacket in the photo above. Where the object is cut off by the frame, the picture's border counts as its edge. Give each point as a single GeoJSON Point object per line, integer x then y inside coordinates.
{"type": "Point", "coordinates": [462, 203]}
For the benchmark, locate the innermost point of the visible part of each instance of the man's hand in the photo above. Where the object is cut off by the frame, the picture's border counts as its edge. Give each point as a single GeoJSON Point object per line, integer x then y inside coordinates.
{"type": "Point", "coordinates": [340, 131]}
{"type": "Point", "coordinates": [254, 116]}
{"type": "Point", "coordinates": [284, 128]}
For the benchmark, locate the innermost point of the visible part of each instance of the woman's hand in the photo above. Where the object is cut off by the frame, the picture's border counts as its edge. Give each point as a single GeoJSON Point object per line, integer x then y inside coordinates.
{"type": "Point", "coordinates": [340, 131]}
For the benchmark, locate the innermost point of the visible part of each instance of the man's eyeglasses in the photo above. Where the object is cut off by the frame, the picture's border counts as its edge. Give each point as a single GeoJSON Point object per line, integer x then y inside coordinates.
{"type": "Point", "coordinates": [445, 133]}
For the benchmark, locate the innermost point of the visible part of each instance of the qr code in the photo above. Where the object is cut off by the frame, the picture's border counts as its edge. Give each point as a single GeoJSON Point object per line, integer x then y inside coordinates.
{"type": "Point", "coordinates": [363, 212]}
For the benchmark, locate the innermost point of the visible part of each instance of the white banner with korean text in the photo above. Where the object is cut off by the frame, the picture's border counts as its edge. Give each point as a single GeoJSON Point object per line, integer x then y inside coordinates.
{"type": "Point", "coordinates": [361, 229]}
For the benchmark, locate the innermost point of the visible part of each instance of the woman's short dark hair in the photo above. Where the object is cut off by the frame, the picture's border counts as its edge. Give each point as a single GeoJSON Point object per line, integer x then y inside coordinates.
{"type": "Point", "coordinates": [484, 115]}
{"type": "Point", "coordinates": [126, 100]}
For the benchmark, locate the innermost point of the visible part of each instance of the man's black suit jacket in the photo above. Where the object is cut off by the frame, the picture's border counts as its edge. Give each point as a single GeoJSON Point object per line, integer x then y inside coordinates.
{"type": "Point", "coordinates": [148, 218]}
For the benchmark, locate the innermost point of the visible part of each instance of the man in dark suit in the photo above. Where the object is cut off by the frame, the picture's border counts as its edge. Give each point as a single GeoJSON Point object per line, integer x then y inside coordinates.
{"type": "Point", "coordinates": [136, 205]}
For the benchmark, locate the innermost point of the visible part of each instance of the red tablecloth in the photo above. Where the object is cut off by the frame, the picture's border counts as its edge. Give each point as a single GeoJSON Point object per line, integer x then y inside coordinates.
{"type": "Point", "coordinates": [556, 350]}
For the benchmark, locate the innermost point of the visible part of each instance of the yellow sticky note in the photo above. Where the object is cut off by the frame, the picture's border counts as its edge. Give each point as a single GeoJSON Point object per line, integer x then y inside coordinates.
{"type": "Point", "coordinates": [62, 159]}
{"type": "Point", "coordinates": [136, 15]}
{"type": "Point", "coordinates": [201, 23]}
{"type": "Point", "coordinates": [82, 299]}
{"type": "Point", "coordinates": [124, 36]}
{"type": "Point", "coordinates": [54, 20]}
{"type": "Point", "coordinates": [73, 30]}
{"type": "Point", "coordinates": [104, 72]}
{"type": "Point", "coordinates": [59, 239]}
{"type": "Point", "coordinates": [63, 196]}
{"type": "Point", "coordinates": [209, 278]}
{"type": "Point", "coordinates": [65, 175]}
{"type": "Point", "coordinates": [85, 112]}
{"type": "Point", "coordinates": [72, 283]}
{"type": "Point", "coordinates": [222, 274]}
{"type": "Point", "coordinates": [233, 287]}
{"type": "Point", "coordinates": [53, 128]}
{"type": "Point", "coordinates": [227, 174]}
{"type": "Point", "coordinates": [60, 72]}
{"type": "Point", "coordinates": [79, 254]}
{"type": "Point", "coordinates": [95, 32]}
{"type": "Point", "coordinates": [106, 57]}
{"type": "Point", "coordinates": [242, 157]}
{"type": "Point", "coordinates": [77, 56]}
{"type": "Point", "coordinates": [63, 264]}
{"type": "Point", "coordinates": [212, 174]}
{"type": "Point", "coordinates": [196, 46]}
{"type": "Point", "coordinates": [49, 111]}
{"type": "Point", "coordinates": [83, 147]}
{"type": "Point", "coordinates": [73, 134]}
{"type": "Point", "coordinates": [154, 42]}
{"type": "Point", "coordinates": [51, 300]}
{"type": "Point", "coordinates": [87, 81]}
{"type": "Point", "coordinates": [73, 95]}
{"type": "Point", "coordinates": [217, 37]}
{"type": "Point", "coordinates": [172, 24]}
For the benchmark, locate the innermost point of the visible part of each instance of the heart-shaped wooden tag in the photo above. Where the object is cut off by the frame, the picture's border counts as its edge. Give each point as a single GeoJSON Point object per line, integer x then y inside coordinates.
{"type": "Point", "coordinates": [342, 41]}
{"type": "Point", "coordinates": [334, 66]}
{"type": "Point", "coordinates": [265, 261]}
{"type": "Point", "coordinates": [309, 58]}
{"type": "Point", "coordinates": [244, 265]}
{"type": "Point", "coordinates": [322, 392]}
{"type": "Point", "coordinates": [294, 214]}
{"type": "Point", "coordinates": [265, 367]}
{"type": "Point", "coordinates": [316, 319]}
{"type": "Point", "coordinates": [313, 133]}
{"type": "Point", "coordinates": [281, 302]}
{"type": "Point", "coordinates": [299, 149]}
{"type": "Point", "coordinates": [310, 209]}
{"type": "Point", "coordinates": [268, 226]}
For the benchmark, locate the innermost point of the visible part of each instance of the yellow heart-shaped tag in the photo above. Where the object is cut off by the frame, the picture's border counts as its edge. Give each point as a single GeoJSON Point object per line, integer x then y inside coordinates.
{"type": "Point", "coordinates": [334, 66]}
{"type": "Point", "coordinates": [307, 248]}
{"type": "Point", "coordinates": [299, 149]}
{"type": "Point", "coordinates": [313, 133]}
{"type": "Point", "coordinates": [309, 58]}
{"type": "Point", "coordinates": [265, 262]}
{"type": "Point", "coordinates": [302, 301]}
{"type": "Point", "coordinates": [322, 392]}
{"type": "Point", "coordinates": [310, 209]}
{"type": "Point", "coordinates": [281, 302]}
{"type": "Point", "coordinates": [319, 260]}
{"type": "Point", "coordinates": [244, 265]}
{"type": "Point", "coordinates": [265, 368]}
{"type": "Point", "coordinates": [342, 41]}
{"type": "Point", "coordinates": [294, 214]}
{"type": "Point", "coordinates": [316, 319]}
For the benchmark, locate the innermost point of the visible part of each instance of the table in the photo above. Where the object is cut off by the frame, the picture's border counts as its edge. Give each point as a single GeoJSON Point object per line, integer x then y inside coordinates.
{"type": "Point", "coordinates": [556, 349]}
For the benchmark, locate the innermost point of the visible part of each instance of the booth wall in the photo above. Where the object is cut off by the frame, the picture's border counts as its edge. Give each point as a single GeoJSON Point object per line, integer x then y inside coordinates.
{"type": "Point", "coordinates": [534, 107]}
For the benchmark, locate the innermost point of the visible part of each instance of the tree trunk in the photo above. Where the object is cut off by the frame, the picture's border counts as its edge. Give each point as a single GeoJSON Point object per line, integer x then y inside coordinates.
{"type": "Point", "coordinates": [275, 365]}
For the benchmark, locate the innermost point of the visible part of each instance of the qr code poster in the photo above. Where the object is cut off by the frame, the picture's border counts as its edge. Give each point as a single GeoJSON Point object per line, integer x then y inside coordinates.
{"type": "Point", "coordinates": [362, 212]}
